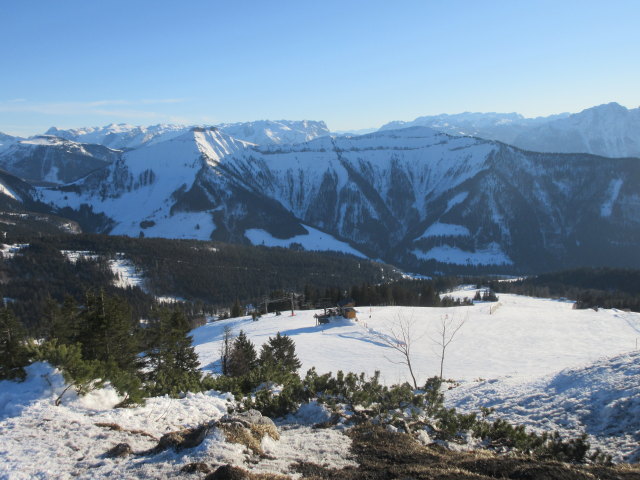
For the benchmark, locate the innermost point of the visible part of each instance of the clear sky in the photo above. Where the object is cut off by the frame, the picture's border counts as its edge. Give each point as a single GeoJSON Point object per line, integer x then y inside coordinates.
{"type": "Point", "coordinates": [354, 64]}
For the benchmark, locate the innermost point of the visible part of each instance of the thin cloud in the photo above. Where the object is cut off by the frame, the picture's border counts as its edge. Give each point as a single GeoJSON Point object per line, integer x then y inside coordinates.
{"type": "Point", "coordinates": [95, 107]}
{"type": "Point", "coordinates": [160, 101]}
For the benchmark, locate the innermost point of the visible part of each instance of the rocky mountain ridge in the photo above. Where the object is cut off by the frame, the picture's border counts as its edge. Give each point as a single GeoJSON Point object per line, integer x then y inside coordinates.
{"type": "Point", "coordinates": [414, 197]}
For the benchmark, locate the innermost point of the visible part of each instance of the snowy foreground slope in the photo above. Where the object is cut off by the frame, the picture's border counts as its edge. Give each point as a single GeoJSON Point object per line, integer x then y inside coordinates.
{"type": "Point", "coordinates": [537, 362]}
{"type": "Point", "coordinates": [40, 440]}
{"type": "Point", "coordinates": [602, 400]}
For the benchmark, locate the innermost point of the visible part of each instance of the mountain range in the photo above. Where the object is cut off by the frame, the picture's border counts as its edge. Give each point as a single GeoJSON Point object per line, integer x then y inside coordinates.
{"type": "Point", "coordinates": [416, 197]}
{"type": "Point", "coordinates": [609, 130]}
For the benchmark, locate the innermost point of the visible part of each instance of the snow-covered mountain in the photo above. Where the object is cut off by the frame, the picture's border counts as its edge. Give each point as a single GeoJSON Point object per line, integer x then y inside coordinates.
{"type": "Point", "coordinates": [266, 132]}
{"type": "Point", "coordinates": [504, 127]}
{"type": "Point", "coordinates": [610, 130]}
{"type": "Point", "coordinates": [263, 132]}
{"type": "Point", "coordinates": [120, 136]}
{"type": "Point", "coordinates": [7, 140]}
{"type": "Point", "coordinates": [53, 160]}
{"type": "Point", "coordinates": [414, 197]}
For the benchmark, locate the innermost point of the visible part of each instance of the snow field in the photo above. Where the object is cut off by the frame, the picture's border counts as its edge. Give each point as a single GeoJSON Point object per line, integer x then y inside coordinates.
{"type": "Point", "coordinates": [525, 337]}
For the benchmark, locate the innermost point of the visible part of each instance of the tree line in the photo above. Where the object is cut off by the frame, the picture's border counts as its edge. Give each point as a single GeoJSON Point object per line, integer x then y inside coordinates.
{"type": "Point", "coordinates": [589, 287]}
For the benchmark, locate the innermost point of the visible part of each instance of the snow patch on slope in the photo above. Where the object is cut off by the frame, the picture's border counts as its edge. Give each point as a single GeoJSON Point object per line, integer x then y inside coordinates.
{"type": "Point", "coordinates": [127, 275]}
{"type": "Point", "coordinates": [459, 198]}
{"type": "Point", "coordinates": [445, 230]}
{"type": "Point", "coordinates": [492, 255]}
{"type": "Point", "coordinates": [10, 251]}
{"type": "Point", "coordinates": [188, 225]}
{"type": "Point", "coordinates": [313, 240]}
{"type": "Point", "coordinates": [8, 192]}
{"type": "Point", "coordinates": [614, 191]}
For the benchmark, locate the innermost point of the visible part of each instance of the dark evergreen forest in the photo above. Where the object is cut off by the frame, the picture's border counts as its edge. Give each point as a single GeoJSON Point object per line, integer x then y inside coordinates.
{"type": "Point", "coordinates": [589, 287]}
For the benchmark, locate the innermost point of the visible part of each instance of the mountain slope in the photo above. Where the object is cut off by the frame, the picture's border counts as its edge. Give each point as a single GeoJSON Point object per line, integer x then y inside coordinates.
{"type": "Point", "coordinates": [7, 140]}
{"type": "Point", "coordinates": [120, 136]}
{"type": "Point", "coordinates": [51, 160]}
{"type": "Point", "coordinates": [415, 197]}
{"type": "Point", "coordinates": [504, 127]}
{"type": "Point", "coordinates": [264, 132]}
{"type": "Point", "coordinates": [610, 130]}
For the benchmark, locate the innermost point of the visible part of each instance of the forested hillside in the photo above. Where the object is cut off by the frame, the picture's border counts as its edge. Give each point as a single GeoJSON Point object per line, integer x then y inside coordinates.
{"type": "Point", "coordinates": [206, 275]}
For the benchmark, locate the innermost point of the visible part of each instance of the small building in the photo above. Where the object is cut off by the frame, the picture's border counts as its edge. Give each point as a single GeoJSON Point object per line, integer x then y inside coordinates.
{"type": "Point", "coordinates": [349, 313]}
{"type": "Point", "coordinates": [345, 309]}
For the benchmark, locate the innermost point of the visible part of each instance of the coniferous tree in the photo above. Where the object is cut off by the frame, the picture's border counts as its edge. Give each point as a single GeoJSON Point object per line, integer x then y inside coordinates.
{"type": "Point", "coordinates": [279, 354]}
{"type": "Point", "coordinates": [14, 355]}
{"type": "Point", "coordinates": [107, 331]}
{"type": "Point", "coordinates": [243, 357]}
{"type": "Point", "coordinates": [172, 361]}
{"type": "Point", "coordinates": [236, 309]}
{"type": "Point", "coordinates": [225, 349]}
{"type": "Point", "coordinates": [64, 321]}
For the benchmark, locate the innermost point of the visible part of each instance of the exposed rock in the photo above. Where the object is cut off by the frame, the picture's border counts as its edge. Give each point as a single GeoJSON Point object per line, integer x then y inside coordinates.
{"type": "Point", "coordinates": [119, 451]}
{"type": "Point", "coordinates": [182, 439]}
{"type": "Point", "coordinates": [118, 428]}
{"type": "Point", "coordinates": [331, 422]}
{"type": "Point", "coordinates": [228, 472]}
{"type": "Point", "coordinates": [196, 467]}
{"type": "Point", "coordinates": [248, 428]}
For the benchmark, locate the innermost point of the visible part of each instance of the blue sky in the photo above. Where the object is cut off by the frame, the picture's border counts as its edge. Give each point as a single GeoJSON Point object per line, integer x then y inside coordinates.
{"type": "Point", "coordinates": [354, 64]}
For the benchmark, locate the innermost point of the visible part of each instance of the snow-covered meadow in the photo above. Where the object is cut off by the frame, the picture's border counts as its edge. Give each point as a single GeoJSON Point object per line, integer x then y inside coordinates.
{"type": "Point", "coordinates": [517, 336]}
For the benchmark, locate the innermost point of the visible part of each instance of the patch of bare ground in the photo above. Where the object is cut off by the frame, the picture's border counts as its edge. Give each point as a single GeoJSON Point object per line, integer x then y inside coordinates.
{"type": "Point", "coordinates": [384, 455]}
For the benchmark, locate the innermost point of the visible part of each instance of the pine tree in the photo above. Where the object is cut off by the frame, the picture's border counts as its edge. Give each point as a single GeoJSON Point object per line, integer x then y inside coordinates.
{"type": "Point", "coordinates": [14, 355]}
{"type": "Point", "coordinates": [64, 321]}
{"type": "Point", "coordinates": [243, 357]}
{"type": "Point", "coordinates": [236, 310]}
{"type": "Point", "coordinates": [279, 353]}
{"type": "Point", "coordinates": [107, 332]}
{"type": "Point", "coordinates": [172, 362]}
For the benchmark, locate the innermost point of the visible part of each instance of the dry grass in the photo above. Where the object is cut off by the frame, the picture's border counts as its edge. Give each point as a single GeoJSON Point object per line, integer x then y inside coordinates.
{"type": "Point", "coordinates": [384, 455]}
